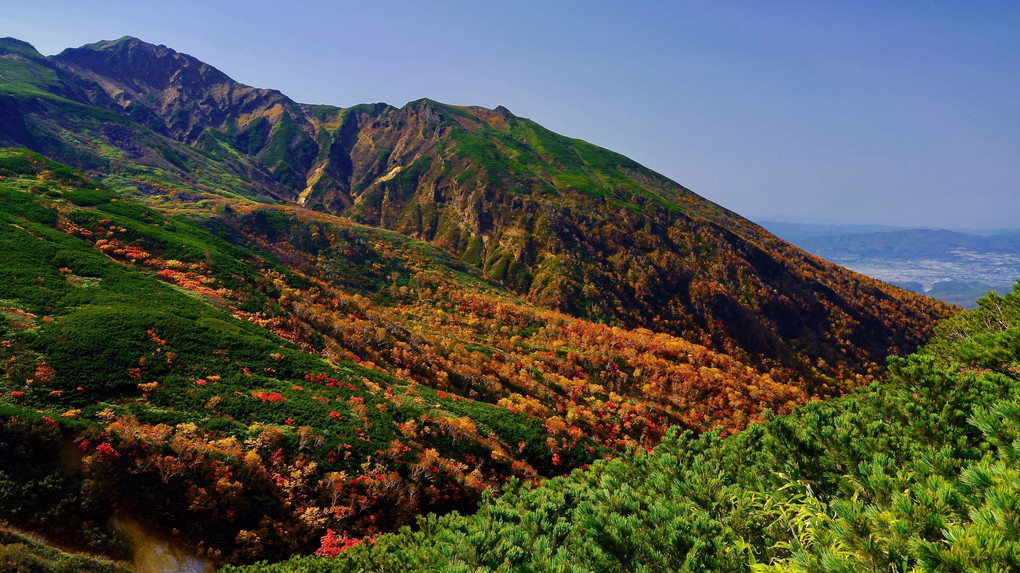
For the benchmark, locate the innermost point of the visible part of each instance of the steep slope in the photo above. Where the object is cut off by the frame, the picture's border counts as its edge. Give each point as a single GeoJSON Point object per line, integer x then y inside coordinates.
{"type": "Point", "coordinates": [150, 82]}
{"type": "Point", "coordinates": [20, 552]}
{"type": "Point", "coordinates": [199, 105]}
{"type": "Point", "coordinates": [916, 474]}
{"type": "Point", "coordinates": [571, 226]}
{"type": "Point", "coordinates": [51, 110]}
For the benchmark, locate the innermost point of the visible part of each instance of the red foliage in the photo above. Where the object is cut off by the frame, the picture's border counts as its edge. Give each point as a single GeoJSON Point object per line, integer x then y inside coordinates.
{"type": "Point", "coordinates": [107, 452]}
{"type": "Point", "coordinates": [331, 546]}
{"type": "Point", "coordinates": [154, 338]}
{"type": "Point", "coordinates": [273, 397]}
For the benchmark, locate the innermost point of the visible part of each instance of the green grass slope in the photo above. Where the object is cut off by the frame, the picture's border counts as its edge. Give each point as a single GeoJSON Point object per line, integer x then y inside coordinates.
{"type": "Point", "coordinates": [25, 553]}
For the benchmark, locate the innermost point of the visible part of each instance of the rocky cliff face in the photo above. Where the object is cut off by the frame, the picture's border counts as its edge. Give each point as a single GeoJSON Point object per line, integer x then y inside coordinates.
{"type": "Point", "coordinates": [187, 95]}
{"type": "Point", "coordinates": [196, 104]}
{"type": "Point", "coordinates": [567, 224]}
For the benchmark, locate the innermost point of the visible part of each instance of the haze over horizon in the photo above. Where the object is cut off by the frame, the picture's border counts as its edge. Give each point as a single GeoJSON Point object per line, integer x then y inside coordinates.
{"type": "Point", "coordinates": [901, 115]}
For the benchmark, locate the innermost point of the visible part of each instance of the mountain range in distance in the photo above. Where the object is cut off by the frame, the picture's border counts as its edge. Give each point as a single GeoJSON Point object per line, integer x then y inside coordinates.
{"type": "Point", "coordinates": [956, 266]}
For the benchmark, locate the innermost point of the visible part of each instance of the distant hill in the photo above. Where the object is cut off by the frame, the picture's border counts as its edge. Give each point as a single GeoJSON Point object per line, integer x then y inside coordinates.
{"type": "Point", "coordinates": [795, 232]}
{"type": "Point", "coordinates": [917, 244]}
{"type": "Point", "coordinates": [953, 266]}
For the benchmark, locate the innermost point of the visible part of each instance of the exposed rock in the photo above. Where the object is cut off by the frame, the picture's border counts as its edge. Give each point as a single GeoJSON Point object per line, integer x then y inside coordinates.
{"type": "Point", "coordinates": [122, 137]}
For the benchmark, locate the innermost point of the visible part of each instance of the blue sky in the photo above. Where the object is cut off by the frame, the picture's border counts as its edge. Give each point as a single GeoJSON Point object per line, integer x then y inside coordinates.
{"type": "Point", "coordinates": [901, 113]}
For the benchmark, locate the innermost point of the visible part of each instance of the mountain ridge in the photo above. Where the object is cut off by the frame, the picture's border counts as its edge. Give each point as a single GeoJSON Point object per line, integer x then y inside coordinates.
{"type": "Point", "coordinates": [564, 223]}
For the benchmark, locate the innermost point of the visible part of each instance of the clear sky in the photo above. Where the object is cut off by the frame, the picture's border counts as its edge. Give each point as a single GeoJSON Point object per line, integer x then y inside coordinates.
{"type": "Point", "coordinates": [902, 112]}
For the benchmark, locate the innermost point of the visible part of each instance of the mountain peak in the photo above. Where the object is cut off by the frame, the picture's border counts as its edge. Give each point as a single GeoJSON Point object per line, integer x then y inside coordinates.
{"type": "Point", "coordinates": [151, 66]}
{"type": "Point", "coordinates": [123, 40]}
{"type": "Point", "coordinates": [130, 42]}
{"type": "Point", "coordinates": [20, 48]}
{"type": "Point", "coordinates": [187, 94]}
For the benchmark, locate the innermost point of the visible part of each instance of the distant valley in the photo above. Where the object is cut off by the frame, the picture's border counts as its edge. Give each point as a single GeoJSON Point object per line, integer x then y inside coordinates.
{"type": "Point", "coordinates": [957, 267]}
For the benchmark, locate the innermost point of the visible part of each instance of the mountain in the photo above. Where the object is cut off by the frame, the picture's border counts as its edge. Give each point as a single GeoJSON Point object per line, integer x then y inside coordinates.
{"type": "Point", "coordinates": [935, 244]}
{"type": "Point", "coordinates": [795, 232]}
{"type": "Point", "coordinates": [568, 225]}
{"type": "Point", "coordinates": [246, 321]}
